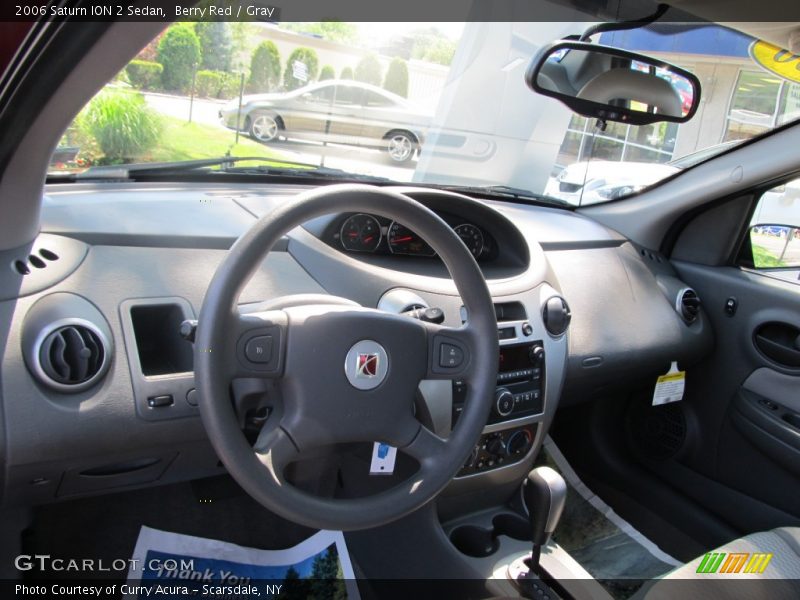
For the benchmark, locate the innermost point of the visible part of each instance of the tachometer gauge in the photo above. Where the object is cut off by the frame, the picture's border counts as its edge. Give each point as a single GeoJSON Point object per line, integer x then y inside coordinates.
{"type": "Point", "coordinates": [360, 233]}
{"type": "Point", "coordinates": [404, 241]}
{"type": "Point", "coordinates": [472, 238]}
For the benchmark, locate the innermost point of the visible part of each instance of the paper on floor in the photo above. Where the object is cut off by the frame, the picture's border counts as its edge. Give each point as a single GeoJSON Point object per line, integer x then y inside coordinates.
{"type": "Point", "coordinates": [172, 565]}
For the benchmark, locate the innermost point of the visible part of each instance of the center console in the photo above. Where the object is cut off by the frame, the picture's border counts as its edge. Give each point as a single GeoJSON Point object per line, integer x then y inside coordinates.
{"type": "Point", "coordinates": [518, 400]}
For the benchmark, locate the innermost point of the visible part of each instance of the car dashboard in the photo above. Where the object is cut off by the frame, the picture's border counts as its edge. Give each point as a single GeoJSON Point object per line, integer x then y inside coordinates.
{"type": "Point", "coordinates": [574, 301]}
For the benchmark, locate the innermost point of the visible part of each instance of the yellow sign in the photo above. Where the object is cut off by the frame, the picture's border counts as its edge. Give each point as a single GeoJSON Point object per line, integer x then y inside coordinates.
{"type": "Point", "coordinates": [776, 60]}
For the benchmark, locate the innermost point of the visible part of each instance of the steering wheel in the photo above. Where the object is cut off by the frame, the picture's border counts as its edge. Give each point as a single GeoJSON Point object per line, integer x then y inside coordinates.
{"type": "Point", "coordinates": [344, 373]}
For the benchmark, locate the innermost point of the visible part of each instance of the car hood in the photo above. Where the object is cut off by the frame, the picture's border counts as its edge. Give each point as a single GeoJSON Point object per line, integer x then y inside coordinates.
{"type": "Point", "coordinates": [613, 172]}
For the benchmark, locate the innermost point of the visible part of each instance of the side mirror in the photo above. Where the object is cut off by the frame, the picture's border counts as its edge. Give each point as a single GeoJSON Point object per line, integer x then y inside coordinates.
{"type": "Point", "coordinates": [612, 84]}
{"type": "Point", "coordinates": [775, 246]}
{"type": "Point", "coordinates": [307, 97]}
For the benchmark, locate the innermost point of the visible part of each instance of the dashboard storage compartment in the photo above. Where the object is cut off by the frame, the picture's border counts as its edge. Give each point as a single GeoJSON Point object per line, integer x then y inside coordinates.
{"type": "Point", "coordinates": [160, 360]}
{"type": "Point", "coordinates": [159, 345]}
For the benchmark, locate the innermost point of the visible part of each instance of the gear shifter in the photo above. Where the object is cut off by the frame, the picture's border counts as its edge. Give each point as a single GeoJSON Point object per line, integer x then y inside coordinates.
{"type": "Point", "coordinates": [544, 492]}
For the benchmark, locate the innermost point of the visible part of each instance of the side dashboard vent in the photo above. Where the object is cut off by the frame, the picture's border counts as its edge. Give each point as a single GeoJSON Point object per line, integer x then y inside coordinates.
{"type": "Point", "coordinates": [66, 342]}
{"type": "Point", "coordinates": [72, 357]}
{"type": "Point", "coordinates": [688, 305]}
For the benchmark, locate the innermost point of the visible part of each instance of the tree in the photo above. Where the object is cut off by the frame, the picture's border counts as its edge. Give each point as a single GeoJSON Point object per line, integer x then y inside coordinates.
{"type": "Point", "coordinates": [441, 51]}
{"type": "Point", "coordinates": [150, 52]}
{"type": "Point", "coordinates": [325, 581]}
{"type": "Point", "coordinates": [179, 53]}
{"type": "Point", "coordinates": [216, 44]}
{"type": "Point", "coordinates": [327, 72]}
{"type": "Point", "coordinates": [265, 68]}
{"type": "Point", "coordinates": [293, 587]}
{"type": "Point", "coordinates": [334, 31]}
{"type": "Point", "coordinates": [300, 55]}
{"type": "Point", "coordinates": [397, 77]}
{"type": "Point", "coordinates": [427, 44]}
{"type": "Point", "coordinates": [347, 73]}
{"type": "Point", "coordinates": [369, 70]}
{"type": "Point", "coordinates": [243, 41]}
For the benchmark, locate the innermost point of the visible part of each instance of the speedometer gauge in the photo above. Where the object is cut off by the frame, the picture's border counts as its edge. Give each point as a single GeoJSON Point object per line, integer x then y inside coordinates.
{"type": "Point", "coordinates": [404, 241]}
{"type": "Point", "coordinates": [360, 233]}
{"type": "Point", "coordinates": [472, 238]}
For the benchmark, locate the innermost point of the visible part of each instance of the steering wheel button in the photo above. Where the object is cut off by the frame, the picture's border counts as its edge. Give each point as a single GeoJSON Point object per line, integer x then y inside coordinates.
{"type": "Point", "coordinates": [259, 349]}
{"type": "Point", "coordinates": [450, 356]}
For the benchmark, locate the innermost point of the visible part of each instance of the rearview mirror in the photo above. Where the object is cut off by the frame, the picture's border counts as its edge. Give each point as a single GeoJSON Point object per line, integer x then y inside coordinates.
{"type": "Point", "coordinates": [612, 84]}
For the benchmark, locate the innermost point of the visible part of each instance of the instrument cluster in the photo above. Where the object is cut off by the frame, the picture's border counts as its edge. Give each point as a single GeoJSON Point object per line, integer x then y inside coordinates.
{"type": "Point", "coordinates": [372, 234]}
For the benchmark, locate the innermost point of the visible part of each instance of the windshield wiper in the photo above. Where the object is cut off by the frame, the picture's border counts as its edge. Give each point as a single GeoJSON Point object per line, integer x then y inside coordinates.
{"type": "Point", "coordinates": [203, 166]}
{"type": "Point", "coordinates": [499, 191]}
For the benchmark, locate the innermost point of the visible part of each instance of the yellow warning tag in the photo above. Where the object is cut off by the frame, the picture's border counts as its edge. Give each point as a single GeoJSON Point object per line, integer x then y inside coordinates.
{"type": "Point", "coordinates": [669, 387]}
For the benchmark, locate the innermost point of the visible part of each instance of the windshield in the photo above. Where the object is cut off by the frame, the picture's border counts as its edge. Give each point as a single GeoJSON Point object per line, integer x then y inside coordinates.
{"type": "Point", "coordinates": [441, 103]}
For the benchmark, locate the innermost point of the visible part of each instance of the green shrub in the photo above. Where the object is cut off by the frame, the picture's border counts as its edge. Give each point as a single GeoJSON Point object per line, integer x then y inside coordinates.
{"type": "Point", "coordinates": [369, 70]}
{"type": "Point", "coordinates": [347, 73]}
{"type": "Point", "coordinates": [306, 56]}
{"type": "Point", "coordinates": [397, 77]}
{"type": "Point", "coordinates": [217, 84]}
{"type": "Point", "coordinates": [144, 74]}
{"type": "Point", "coordinates": [208, 84]}
{"type": "Point", "coordinates": [122, 125]}
{"type": "Point", "coordinates": [327, 72]}
{"type": "Point", "coordinates": [231, 83]}
{"type": "Point", "coordinates": [179, 53]}
{"type": "Point", "coordinates": [265, 68]}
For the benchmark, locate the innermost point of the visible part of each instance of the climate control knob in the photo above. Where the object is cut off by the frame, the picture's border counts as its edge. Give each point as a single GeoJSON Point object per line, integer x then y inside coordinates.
{"type": "Point", "coordinates": [496, 446]}
{"type": "Point", "coordinates": [503, 402]}
{"type": "Point", "coordinates": [518, 443]}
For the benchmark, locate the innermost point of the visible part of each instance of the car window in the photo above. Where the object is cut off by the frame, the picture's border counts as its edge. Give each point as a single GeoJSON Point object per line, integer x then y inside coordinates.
{"type": "Point", "coordinates": [377, 100]}
{"type": "Point", "coordinates": [775, 231]}
{"type": "Point", "coordinates": [348, 95]}
{"type": "Point", "coordinates": [323, 94]}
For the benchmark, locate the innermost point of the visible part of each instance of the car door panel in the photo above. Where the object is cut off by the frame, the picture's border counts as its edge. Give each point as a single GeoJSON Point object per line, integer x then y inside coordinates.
{"type": "Point", "coordinates": [744, 397]}
{"type": "Point", "coordinates": [305, 117]}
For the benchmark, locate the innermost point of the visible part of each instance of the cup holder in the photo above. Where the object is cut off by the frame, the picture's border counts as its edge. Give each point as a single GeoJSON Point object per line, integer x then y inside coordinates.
{"type": "Point", "coordinates": [480, 542]}
{"type": "Point", "coordinates": [513, 526]}
{"type": "Point", "coordinates": [474, 541]}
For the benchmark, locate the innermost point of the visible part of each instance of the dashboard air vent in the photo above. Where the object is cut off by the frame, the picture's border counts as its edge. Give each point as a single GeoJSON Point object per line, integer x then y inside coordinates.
{"type": "Point", "coordinates": [688, 305]}
{"type": "Point", "coordinates": [556, 315]}
{"type": "Point", "coordinates": [73, 356]}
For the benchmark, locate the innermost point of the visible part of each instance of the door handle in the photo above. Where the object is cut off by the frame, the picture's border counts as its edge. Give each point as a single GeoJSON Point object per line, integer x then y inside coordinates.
{"type": "Point", "coordinates": [779, 342]}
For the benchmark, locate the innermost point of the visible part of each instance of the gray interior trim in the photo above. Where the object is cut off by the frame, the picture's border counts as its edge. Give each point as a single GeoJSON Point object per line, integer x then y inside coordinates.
{"type": "Point", "coordinates": [56, 257]}
{"type": "Point", "coordinates": [780, 387]}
